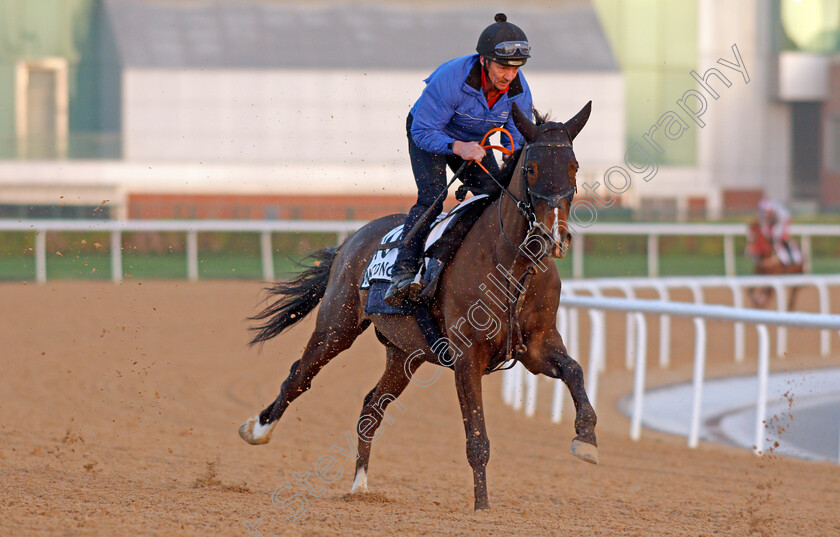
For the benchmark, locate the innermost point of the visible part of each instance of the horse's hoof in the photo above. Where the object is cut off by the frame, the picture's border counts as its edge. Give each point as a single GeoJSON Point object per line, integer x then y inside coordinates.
{"type": "Point", "coordinates": [483, 506]}
{"type": "Point", "coordinates": [360, 483]}
{"type": "Point", "coordinates": [584, 451]}
{"type": "Point", "coordinates": [253, 432]}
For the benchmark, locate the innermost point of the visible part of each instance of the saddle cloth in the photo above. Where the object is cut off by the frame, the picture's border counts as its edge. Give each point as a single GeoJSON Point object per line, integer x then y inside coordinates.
{"type": "Point", "coordinates": [443, 240]}
{"type": "Point", "coordinates": [381, 265]}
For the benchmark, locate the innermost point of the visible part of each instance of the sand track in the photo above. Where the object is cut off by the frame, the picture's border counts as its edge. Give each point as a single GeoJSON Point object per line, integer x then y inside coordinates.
{"type": "Point", "coordinates": [120, 406]}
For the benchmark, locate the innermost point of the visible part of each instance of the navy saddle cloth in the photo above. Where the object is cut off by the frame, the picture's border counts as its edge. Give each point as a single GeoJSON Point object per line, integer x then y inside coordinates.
{"type": "Point", "coordinates": [446, 235]}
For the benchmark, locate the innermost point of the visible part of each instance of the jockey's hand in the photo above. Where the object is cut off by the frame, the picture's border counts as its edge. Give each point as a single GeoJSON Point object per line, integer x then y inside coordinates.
{"type": "Point", "coordinates": [468, 150]}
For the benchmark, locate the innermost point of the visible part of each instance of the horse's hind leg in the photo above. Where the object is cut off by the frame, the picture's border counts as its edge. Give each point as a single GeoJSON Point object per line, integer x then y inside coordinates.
{"type": "Point", "coordinates": [326, 342]}
{"type": "Point", "coordinates": [397, 375]}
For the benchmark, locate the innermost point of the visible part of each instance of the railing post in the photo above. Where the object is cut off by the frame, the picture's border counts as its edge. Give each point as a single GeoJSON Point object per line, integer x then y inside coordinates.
{"type": "Point", "coordinates": [639, 378]}
{"type": "Point", "coordinates": [664, 329]}
{"type": "Point", "coordinates": [629, 336]}
{"type": "Point", "coordinates": [192, 255]}
{"type": "Point", "coordinates": [729, 255]}
{"type": "Point", "coordinates": [699, 373]}
{"type": "Point", "coordinates": [738, 336]}
{"type": "Point", "coordinates": [507, 386]}
{"type": "Point", "coordinates": [761, 404]}
{"type": "Point", "coordinates": [41, 256]}
{"type": "Point", "coordinates": [596, 353]}
{"type": "Point", "coordinates": [116, 256]}
{"type": "Point", "coordinates": [267, 255]}
{"type": "Point", "coordinates": [557, 401]}
{"type": "Point", "coordinates": [653, 255]}
{"type": "Point", "coordinates": [781, 330]}
{"type": "Point", "coordinates": [519, 371]}
{"type": "Point", "coordinates": [806, 254]}
{"type": "Point", "coordinates": [577, 256]}
{"type": "Point", "coordinates": [573, 341]}
{"type": "Point", "coordinates": [531, 394]}
{"type": "Point", "coordinates": [825, 309]}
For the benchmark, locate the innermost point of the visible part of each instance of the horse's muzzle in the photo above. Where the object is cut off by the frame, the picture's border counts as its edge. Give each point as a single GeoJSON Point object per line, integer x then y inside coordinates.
{"type": "Point", "coordinates": [561, 239]}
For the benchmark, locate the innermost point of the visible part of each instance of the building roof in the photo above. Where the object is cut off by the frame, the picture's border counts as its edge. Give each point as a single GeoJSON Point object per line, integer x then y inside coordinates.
{"type": "Point", "coordinates": [198, 34]}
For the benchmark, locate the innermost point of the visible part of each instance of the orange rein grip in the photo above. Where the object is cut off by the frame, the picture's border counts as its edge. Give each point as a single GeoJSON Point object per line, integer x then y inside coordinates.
{"type": "Point", "coordinates": [503, 149]}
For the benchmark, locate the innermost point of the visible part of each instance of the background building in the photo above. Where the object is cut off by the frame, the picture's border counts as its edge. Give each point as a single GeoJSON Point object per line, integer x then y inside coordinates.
{"type": "Point", "coordinates": [274, 109]}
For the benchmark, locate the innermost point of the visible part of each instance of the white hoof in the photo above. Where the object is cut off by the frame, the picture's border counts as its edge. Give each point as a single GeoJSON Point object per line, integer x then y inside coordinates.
{"type": "Point", "coordinates": [255, 433]}
{"type": "Point", "coordinates": [360, 483]}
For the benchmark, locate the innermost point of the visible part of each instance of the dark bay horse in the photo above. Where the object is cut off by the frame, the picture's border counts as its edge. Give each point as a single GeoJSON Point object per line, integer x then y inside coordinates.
{"type": "Point", "coordinates": [497, 299]}
{"type": "Point", "coordinates": [761, 251]}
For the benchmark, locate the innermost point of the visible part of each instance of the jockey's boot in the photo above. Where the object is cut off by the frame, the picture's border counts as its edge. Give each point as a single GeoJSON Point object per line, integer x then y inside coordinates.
{"type": "Point", "coordinates": [401, 288]}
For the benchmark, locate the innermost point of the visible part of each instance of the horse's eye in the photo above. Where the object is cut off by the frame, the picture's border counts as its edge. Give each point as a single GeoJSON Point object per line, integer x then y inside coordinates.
{"type": "Point", "coordinates": [529, 169]}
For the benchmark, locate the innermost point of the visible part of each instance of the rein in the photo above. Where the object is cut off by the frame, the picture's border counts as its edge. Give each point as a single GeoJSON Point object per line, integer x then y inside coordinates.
{"type": "Point", "coordinates": [527, 209]}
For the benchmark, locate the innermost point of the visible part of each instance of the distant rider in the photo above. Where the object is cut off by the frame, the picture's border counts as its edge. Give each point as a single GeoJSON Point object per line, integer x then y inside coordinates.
{"type": "Point", "coordinates": [774, 223]}
{"type": "Point", "coordinates": [462, 100]}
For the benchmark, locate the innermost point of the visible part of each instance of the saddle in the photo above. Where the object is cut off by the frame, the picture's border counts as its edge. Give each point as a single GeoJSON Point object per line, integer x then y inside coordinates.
{"type": "Point", "coordinates": [447, 234]}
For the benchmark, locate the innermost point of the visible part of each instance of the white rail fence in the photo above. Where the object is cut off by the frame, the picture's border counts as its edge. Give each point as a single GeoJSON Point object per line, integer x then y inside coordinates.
{"type": "Point", "coordinates": [519, 387]}
{"type": "Point", "coordinates": [192, 228]}
{"type": "Point", "coordinates": [265, 228]}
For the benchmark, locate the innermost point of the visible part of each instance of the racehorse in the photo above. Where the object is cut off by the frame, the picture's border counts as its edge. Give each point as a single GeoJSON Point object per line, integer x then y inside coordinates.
{"type": "Point", "coordinates": [761, 251]}
{"type": "Point", "coordinates": [512, 241]}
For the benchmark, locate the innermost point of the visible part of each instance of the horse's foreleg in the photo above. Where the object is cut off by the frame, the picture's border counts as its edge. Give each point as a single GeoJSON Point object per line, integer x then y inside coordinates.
{"type": "Point", "coordinates": [555, 362]}
{"type": "Point", "coordinates": [394, 380]}
{"type": "Point", "coordinates": [322, 347]}
{"type": "Point", "coordinates": [468, 382]}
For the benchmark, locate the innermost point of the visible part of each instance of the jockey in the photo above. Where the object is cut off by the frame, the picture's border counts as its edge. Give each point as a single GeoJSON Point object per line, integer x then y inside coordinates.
{"type": "Point", "coordinates": [774, 223]}
{"type": "Point", "coordinates": [462, 100]}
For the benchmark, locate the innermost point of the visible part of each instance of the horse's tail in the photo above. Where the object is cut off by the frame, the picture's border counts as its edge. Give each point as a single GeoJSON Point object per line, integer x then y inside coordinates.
{"type": "Point", "coordinates": [298, 297]}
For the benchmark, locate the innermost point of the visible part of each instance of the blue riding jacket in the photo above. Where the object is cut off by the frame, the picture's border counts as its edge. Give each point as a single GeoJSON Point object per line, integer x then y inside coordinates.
{"type": "Point", "coordinates": [453, 107]}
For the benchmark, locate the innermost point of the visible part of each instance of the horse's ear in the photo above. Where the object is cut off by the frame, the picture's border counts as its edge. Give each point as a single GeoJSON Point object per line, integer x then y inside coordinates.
{"type": "Point", "coordinates": [575, 125]}
{"type": "Point", "coordinates": [524, 125]}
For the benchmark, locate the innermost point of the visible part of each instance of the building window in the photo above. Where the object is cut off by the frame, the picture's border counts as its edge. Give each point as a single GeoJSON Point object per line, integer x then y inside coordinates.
{"type": "Point", "coordinates": [41, 102]}
{"type": "Point", "coordinates": [832, 144]}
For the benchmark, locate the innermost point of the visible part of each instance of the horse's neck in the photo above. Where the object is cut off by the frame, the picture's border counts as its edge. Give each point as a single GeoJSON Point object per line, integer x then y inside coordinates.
{"type": "Point", "coordinates": [510, 226]}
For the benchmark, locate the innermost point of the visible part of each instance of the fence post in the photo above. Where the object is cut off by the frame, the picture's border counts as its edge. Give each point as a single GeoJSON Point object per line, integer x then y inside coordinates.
{"type": "Point", "coordinates": [729, 255]}
{"type": "Point", "coordinates": [653, 255]}
{"type": "Point", "coordinates": [639, 377]}
{"type": "Point", "coordinates": [41, 256]}
{"type": "Point", "coordinates": [519, 371]}
{"type": "Point", "coordinates": [507, 387]}
{"type": "Point", "coordinates": [664, 328]}
{"type": "Point", "coordinates": [806, 254]}
{"type": "Point", "coordinates": [761, 404]}
{"type": "Point", "coordinates": [267, 256]}
{"type": "Point", "coordinates": [116, 256]}
{"type": "Point", "coordinates": [781, 330]}
{"type": "Point", "coordinates": [629, 336]}
{"type": "Point", "coordinates": [557, 401]}
{"type": "Point", "coordinates": [531, 395]}
{"type": "Point", "coordinates": [192, 255]}
{"type": "Point", "coordinates": [596, 353]}
{"type": "Point", "coordinates": [738, 302]}
{"type": "Point", "coordinates": [577, 256]}
{"type": "Point", "coordinates": [825, 309]}
{"type": "Point", "coordinates": [699, 371]}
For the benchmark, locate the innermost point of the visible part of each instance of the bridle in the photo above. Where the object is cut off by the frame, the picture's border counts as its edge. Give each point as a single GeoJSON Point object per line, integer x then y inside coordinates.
{"type": "Point", "coordinates": [528, 207]}
{"type": "Point", "coordinates": [535, 228]}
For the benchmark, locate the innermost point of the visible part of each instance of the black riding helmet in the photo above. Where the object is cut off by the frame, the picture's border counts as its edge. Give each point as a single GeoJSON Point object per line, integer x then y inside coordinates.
{"type": "Point", "coordinates": [504, 43]}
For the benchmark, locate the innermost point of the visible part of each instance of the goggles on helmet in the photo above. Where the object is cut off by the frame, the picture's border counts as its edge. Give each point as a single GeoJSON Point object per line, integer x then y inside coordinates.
{"type": "Point", "coordinates": [510, 48]}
